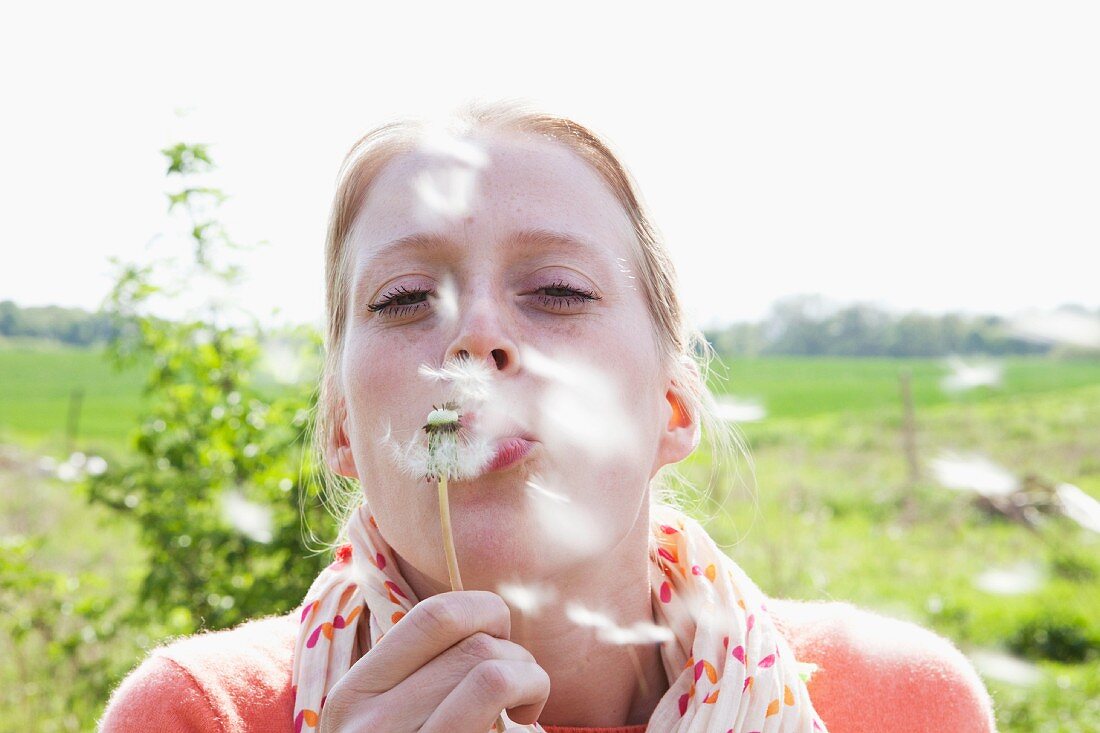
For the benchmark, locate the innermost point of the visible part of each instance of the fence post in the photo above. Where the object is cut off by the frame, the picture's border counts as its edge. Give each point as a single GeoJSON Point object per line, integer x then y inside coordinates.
{"type": "Point", "coordinates": [909, 426]}
{"type": "Point", "coordinates": [72, 426]}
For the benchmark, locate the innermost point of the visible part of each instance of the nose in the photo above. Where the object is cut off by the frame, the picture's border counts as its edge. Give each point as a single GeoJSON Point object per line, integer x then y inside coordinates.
{"type": "Point", "coordinates": [483, 334]}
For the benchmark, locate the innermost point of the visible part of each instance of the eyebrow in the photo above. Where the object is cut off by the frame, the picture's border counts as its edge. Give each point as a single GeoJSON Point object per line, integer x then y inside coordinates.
{"type": "Point", "coordinates": [534, 237]}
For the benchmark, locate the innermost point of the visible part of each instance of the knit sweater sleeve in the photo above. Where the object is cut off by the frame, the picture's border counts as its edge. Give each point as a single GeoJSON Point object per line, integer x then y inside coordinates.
{"type": "Point", "coordinates": [231, 681]}
{"type": "Point", "coordinates": [159, 695]}
{"type": "Point", "coordinates": [879, 674]}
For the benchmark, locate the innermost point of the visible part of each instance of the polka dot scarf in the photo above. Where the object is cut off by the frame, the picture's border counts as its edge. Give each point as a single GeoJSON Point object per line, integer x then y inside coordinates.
{"type": "Point", "coordinates": [730, 669]}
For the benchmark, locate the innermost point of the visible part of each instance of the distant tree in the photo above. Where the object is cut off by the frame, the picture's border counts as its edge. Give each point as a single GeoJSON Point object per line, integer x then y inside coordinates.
{"type": "Point", "coordinates": [68, 325]}
{"type": "Point", "coordinates": [810, 325]}
{"type": "Point", "coordinates": [9, 318]}
{"type": "Point", "coordinates": [795, 325]}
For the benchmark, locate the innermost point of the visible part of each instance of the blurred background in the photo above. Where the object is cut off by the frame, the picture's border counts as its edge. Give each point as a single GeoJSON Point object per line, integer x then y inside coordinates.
{"type": "Point", "coordinates": [883, 216]}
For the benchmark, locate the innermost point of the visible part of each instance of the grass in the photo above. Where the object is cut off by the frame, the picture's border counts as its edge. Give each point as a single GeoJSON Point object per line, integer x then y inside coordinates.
{"type": "Point", "coordinates": [797, 387]}
{"type": "Point", "coordinates": [841, 478]}
{"type": "Point", "coordinates": [38, 383]}
{"type": "Point", "coordinates": [828, 513]}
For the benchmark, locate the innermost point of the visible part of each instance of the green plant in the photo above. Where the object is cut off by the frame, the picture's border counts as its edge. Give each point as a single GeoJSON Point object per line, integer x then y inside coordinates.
{"type": "Point", "coordinates": [220, 480]}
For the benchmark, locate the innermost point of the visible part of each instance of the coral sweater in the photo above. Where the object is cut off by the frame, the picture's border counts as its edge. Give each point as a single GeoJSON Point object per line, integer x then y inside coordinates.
{"type": "Point", "coordinates": [876, 674]}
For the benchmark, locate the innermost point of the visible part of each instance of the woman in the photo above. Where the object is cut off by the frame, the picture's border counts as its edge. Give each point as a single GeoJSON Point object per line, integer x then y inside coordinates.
{"type": "Point", "coordinates": [514, 241]}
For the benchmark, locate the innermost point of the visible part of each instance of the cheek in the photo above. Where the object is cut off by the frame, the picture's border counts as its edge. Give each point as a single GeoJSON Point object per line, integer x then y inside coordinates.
{"type": "Point", "coordinates": [380, 384]}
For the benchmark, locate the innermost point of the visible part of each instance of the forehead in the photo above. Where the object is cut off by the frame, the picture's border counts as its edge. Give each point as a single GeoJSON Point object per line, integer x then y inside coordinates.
{"type": "Point", "coordinates": [487, 187]}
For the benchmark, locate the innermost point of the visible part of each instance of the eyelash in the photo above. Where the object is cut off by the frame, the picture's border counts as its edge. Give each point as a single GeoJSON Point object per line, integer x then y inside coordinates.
{"type": "Point", "coordinates": [580, 295]}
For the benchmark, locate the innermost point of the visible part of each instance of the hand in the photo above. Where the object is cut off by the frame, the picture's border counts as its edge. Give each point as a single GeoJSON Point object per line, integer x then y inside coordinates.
{"type": "Point", "coordinates": [446, 667]}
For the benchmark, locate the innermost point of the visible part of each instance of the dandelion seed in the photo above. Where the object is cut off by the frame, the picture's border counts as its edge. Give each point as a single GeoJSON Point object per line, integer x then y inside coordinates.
{"type": "Point", "coordinates": [576, 533]}
{"type": "Point", "coordinates": [642, 632]}
{"type": "Point", "coordinates": [584, 406]}
{"type": "Point", "coordinates": [732, 409]}
{"type": "Point", "coordinates": [582, 616]}
{"type": "Point", "coordinates": [282, 361]}
{"type": "Point", "coordinates": [609, 632]}
{"type": "Point", "coordinates": [527, 598]}
{"type": "Point", "coordinates": [464, 458]}
{"type": "Point", "coordinates": [445, 192]}
{"type": "Point", "coordinates": [974, 472]}
{"type": "Point", "coordinates": [447, 298]}
{"type": "Point", "coordinates": [997, 665]}
{"type": "Point", "coordinates": [1059, 326]}
{"type": "Point", "coordinates": [252, 520]}
{"type": "Point", "coordinates": [965, 376]}
{"type": "Point", "coordinates": [1021, 578]}
{"type": "Point", "coordinates": [551, 495]}
{"type": "Point", "coordinates": [1079, 506]}
{"type": "Point", "coordinates": [437, 140]}
{"type": "Point", "coordinates": [470, 380]}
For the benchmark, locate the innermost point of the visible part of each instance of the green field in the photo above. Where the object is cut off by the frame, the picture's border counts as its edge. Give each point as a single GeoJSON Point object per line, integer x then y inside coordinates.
{"type": "Point", "coordinates": [39, 383]}
{"type": "Point", "coordinates": [827, 463]}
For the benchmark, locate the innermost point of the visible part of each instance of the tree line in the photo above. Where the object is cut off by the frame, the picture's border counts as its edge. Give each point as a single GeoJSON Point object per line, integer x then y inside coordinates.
{"type": "Point", "coordinates": [73, 326]}
{"type": "Point", "coordinates": [799, 325]}
{"type": "Point", "coordinates": [807, 325]}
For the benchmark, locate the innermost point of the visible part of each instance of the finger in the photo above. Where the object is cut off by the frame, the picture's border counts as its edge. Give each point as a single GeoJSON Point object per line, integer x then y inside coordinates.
{"type": "Point", "coordinates": [430, 628]}
{"type": "Point", "coordinates": [490, 687]}
{"type": "Point", "coordinates": [424, 691]}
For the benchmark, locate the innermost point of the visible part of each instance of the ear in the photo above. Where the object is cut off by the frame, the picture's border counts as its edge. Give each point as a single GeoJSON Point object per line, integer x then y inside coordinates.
{"type": "Point", "coordinates": [338, 453]}
{"type": "Point", "coordinates": [680, 435]}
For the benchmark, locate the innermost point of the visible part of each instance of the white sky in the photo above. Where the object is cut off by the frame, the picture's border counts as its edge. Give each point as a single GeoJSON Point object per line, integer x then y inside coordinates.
{"type": "Point", "coordinates": [934, 155]}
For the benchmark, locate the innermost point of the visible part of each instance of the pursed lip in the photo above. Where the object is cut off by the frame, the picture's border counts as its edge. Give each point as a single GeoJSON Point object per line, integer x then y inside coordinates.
{"type": "Point", "coordinates": [511, 448]}
{"type": "Point", "coordinates": [510, 451]}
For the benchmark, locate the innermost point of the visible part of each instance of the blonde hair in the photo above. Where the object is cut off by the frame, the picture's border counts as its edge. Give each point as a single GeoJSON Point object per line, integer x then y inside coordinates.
{"type": "Point", "coordinates": [683, 349]}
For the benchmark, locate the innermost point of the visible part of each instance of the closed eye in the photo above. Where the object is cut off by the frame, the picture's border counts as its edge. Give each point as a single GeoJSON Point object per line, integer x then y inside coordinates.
{"type": "Point", "coordinates": [573, 295]}
{"type": "Point", "coordinates": [403, 301]}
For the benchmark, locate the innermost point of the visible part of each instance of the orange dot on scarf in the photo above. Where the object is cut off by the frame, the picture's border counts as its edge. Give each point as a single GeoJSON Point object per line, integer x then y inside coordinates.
{"type": "Point", "coordinates": [773, 708]}
{"type": "Point", "coordinates": [711, 698]}
{"type": "Point", "coordinates": [397, 616]}
{"type": "Point", "coordinates": [710, 572]}
{"type": "Point", "coordinates": [788, 696]}
{"type": "Point", "coordinates": [310, 718]}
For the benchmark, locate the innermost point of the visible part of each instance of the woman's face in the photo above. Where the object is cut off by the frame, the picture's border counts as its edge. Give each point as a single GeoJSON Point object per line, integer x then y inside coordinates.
{"type": "Point", "coordinates": [513, 253]}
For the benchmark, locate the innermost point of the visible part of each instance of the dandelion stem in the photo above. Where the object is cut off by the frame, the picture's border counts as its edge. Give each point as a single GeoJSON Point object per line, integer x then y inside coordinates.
{"type": "Point", "coordinates": [452, 557]}
{"type": "Point", "coordinates": [448, 537]}
{"type": "Point", "coordinates": [442, 426]}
